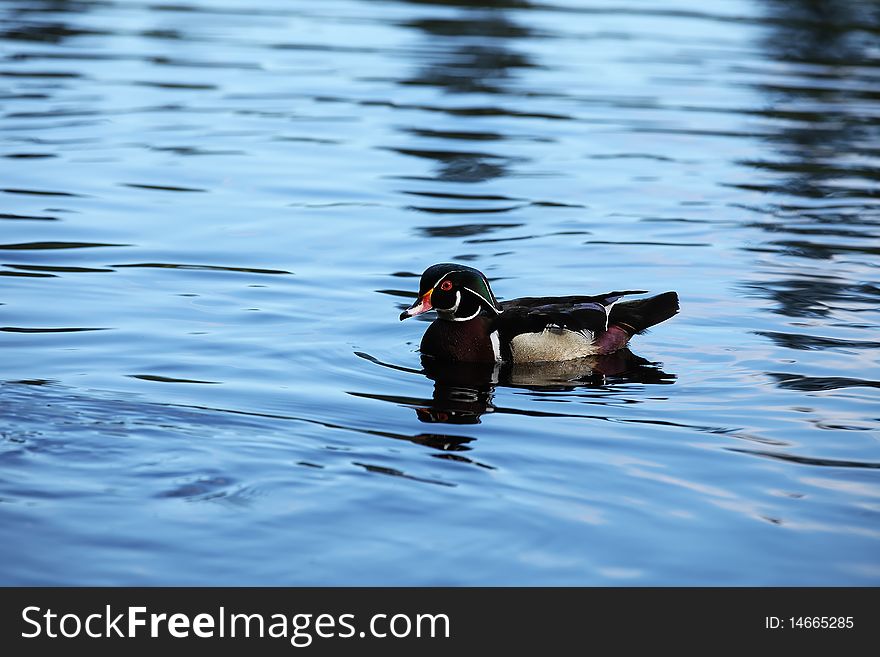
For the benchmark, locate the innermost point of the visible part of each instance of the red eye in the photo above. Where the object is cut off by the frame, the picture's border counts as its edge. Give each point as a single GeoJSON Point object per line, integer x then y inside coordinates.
{"type": "Point", "coordinates": [446, 286]}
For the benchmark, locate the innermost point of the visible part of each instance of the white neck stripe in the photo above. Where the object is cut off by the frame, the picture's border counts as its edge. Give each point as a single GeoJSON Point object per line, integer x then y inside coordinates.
{"type": "Point", "coordinates": [440, 280]}
{"type": "Point", "coordinates": [491, 306]}
{"type": "Point", "coordinates": [449, 313]}
{"type": "Point", "coordinates": [464, 319]}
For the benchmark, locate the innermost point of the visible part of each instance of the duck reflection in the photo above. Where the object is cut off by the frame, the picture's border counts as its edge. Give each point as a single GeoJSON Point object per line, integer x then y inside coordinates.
{"type": "Point", "coordinates": [463, 392]}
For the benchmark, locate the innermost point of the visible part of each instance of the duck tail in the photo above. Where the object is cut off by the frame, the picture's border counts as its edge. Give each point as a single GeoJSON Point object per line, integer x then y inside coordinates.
{"type": "Point", "coordinates": [638, 316]}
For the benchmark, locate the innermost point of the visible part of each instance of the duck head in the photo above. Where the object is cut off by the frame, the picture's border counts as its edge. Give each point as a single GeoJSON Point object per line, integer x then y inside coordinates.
{"type": "Point", "coordinates": [457, 292]}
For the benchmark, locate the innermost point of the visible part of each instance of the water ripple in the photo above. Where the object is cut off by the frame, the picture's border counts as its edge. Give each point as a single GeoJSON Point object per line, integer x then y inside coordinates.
{"type": "Point", "coordinates": [21, 329]}
{"type": "Point", "coordinates": [819, 383]}
{"type": "Point", "coordinates": [163, 188]}
{"type": "Point", "coordinates": [51, 246]}
{"type": "Point", "coordinates": [167, 379]}
{"type": "Point", "coordinates": [168, 265]}
{"type": "Point", "coordinates": [801, 341]}
{"type": "Point", "coordinates": [804, 460]}
{"type": "Point", "coordinates": [728, 152]}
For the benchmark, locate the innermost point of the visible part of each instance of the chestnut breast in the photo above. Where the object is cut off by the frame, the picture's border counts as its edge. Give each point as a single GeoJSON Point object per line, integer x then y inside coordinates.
{"type": "Point", "coordinates": [472, 341]}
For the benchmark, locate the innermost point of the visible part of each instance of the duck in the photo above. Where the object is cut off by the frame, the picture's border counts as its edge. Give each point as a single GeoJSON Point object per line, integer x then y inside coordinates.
{"type": "Point", "coordinates": [472, 326]}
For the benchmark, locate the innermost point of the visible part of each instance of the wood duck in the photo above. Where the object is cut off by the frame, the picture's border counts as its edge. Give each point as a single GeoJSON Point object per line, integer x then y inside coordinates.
{"type": "Point", "coordinates": [472, 326]}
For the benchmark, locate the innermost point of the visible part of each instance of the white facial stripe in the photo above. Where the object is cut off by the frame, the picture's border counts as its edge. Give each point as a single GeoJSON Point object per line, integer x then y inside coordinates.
{"type": "Point", "coordinates": [488, 305]}
{"type": "Point", "coordinates": [440, 280]}
{"type": "Point", "coordinates": [449, 313]}
{"type": "Point", "coordinates": [464, 319]}
{"type": "Point", "coordinates": [457, 271]}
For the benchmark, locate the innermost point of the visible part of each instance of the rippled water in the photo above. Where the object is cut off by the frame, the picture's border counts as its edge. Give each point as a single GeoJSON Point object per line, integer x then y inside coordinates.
{"type": "Point", "coordinates": [213, 212]}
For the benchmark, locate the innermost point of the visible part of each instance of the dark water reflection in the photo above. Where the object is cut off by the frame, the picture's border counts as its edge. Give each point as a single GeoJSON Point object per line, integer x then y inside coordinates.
{"type": "Point", "coordinates": [463, 392]}
{"type": "Point", "coordinates": [212, 213]}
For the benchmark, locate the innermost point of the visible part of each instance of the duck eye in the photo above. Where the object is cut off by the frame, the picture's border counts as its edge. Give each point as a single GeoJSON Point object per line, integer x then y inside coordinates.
{"type": "Point", "coordinates": [446, 286]}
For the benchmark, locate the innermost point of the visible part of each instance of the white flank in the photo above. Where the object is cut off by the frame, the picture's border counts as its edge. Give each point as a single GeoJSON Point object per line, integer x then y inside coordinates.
{"type": "Point", "coordinates": [552, 344]}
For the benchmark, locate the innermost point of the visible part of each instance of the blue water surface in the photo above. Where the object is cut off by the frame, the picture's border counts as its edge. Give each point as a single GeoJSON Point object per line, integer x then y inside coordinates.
{"type": "Point", "coordinates": [212, 213]}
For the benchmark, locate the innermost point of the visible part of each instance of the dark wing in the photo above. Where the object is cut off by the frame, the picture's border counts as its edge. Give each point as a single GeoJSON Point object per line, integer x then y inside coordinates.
{"type": "Point", "coordinates": [575, 313]}
{"type": "Point", "coordinates": [533, 302]}
{"type": "Point", "coordinates": [644, 313]}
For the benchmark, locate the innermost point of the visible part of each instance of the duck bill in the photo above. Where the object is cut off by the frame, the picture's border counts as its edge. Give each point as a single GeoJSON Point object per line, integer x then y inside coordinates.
{"type": "Point", "coordinates": [423, 305]}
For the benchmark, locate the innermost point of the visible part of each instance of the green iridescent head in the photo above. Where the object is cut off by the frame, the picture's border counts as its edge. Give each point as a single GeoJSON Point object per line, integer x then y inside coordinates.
{"type": "Point", "coordinates": [457, 292]}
